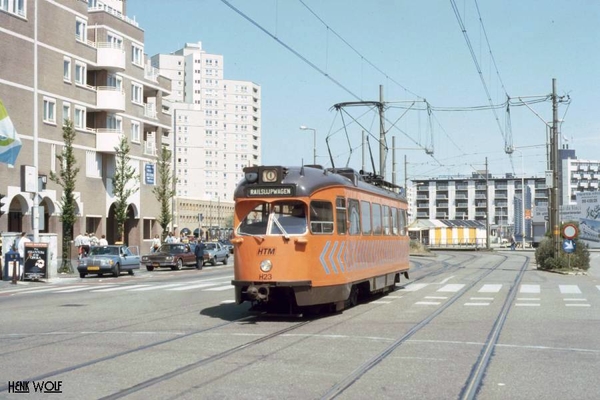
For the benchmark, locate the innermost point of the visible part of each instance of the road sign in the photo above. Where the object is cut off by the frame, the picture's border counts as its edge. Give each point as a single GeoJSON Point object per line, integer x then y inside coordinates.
{"type": "Point", "coordinates": [568, 246]}
{"type": "Point", "coordinates": [569, 231]}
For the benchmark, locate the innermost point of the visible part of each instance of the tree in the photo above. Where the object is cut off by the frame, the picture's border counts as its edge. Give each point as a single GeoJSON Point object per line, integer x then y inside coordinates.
{"type": "Point", "coordinates": [66, 179]}
{"type": "Point", "coordinates": [124, 184]}
{"type": "Point", "coordinates": [164, 191]}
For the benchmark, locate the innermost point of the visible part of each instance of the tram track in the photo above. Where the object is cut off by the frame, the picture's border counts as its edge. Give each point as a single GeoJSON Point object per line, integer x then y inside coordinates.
{"type": "Point", "coordinates": [474, 380]}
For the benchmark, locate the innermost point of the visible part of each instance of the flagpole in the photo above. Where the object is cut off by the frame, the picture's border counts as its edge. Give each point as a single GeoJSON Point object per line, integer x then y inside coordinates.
{"type": "Point", "coordinates": [35, 211]}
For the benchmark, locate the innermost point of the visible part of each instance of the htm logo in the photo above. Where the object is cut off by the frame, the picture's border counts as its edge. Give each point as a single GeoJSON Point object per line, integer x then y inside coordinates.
{"type": "Point", "coordinates": [38, 387]}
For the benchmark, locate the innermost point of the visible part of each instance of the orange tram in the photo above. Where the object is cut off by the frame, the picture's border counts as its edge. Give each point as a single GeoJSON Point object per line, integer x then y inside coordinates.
{"type": "Point", "coordinates": [313, 238]}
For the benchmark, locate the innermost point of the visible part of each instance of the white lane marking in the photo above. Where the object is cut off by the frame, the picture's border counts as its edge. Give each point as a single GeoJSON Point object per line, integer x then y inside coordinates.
{"type": "Point", "coordinates": [428, 303]}
{"type": "Point", "coordinates": [209, 279]}
{"type": "Point", "coordinates": [490, 289]}
{"type": "Point", "coordinates": [156, 287]}
{"type": "Point", "coordinates": [71, 290]}
{"type": "Point", "coordinates": [228, 302]}
{"type": "Point", "coordinates": [528, 299]}
{"type": "Point", "coordinates": [125, 287]}
{"type": "Point", "coordinates": [477, 304]}
{"type": "Point", "coordinates": [414, 287]}
{"type": "Point", "coordinates": [527, 304]}
{"type": "Point", "coordinates": [25, 289]}
{"type": "Point", "coordinates": [198, 286]}
{"type": "Point", "coordinates": [453, 288]}
{"type": "Point", "coordinates": [393, 297]}
{"type": "Point", "coordinates": [569, 289]}
{"type": "Point", "coordinates": [577, 305]}
{"type": "Point", "coordinates": [54, 289]}
{"type": "Point", "coordinates": [220, 288]}
{"type": "Point", "coordinates": [446, 280]}
{"type": "Point", "coordinates": [530, 289]}
{"type": "Point", "coordinates": [436, 297]}
{"type": "Point", "coordinates": [574, 299]}
{"type": "Point", "coordinates": [482, 298]}
{"type": "Point", "coordinates": [380, 302]}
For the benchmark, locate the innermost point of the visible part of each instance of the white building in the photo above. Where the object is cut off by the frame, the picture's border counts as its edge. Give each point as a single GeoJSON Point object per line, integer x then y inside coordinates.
{"type": "Point", "coordinates": [217, 125]}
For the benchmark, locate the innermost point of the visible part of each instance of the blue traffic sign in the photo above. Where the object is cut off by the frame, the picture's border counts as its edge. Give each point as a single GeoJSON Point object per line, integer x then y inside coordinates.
{"type": "Point", "coordinates": [568, 246]}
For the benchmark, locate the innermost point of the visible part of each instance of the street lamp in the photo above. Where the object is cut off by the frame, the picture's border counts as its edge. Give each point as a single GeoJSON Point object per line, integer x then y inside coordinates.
{"type": "Point", "coordinates": [306, 128]}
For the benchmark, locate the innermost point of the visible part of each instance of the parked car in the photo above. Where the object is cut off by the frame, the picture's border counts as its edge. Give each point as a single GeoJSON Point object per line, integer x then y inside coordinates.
{"type": "Point", "coordinates": [173, 255]}
{"type": "Point", "coordinates": [215, 252]}
{"type": "Point", "coordinates": [109, 259]}
{"type": "Point", "coordinates": [227, 244]}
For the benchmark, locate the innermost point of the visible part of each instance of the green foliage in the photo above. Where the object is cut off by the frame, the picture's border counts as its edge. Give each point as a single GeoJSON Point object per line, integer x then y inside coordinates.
{"type": "Point", "coordinates": [164, 191]}
{"type": "Point", "coordinates": [579, 259]}
{"type": "Point", "coordinates": [66, 178]}
{"type": "Point", "coordinates": [124, 184]}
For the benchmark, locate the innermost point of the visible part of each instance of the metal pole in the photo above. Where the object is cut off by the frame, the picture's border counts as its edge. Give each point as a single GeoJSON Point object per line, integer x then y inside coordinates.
{"type": "Point", "coordinates": [394, 160]}
{"type": "Point", "coordinates": [487, 207]}
{"type": "Point", "coordinates": [314, 147]}
{"type": "Point", "coordinates": [173, 198]}
{"type": "Point", "coordinates": [363, 150]}
{"type": "Point", "coordinates": [36, 200]}
{"type": "Point", "coordinates": [382, 151]}
{"type": "Point", "coordinates": [555, 189]}
{"type": "Point", "coordinates": [405, 174]}
{"type": "Point", "coordinates": [523, 191]}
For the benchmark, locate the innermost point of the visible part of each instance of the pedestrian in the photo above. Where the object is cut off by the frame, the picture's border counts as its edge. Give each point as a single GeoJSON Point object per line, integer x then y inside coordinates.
{"type": "Point", "coordinates": [513, 242]}
{"type": "Point", "coordinates": [103, 241]}
{"type": "Point", "coordinates": [21, 247]}
{"type": "Point", "coordinates": [94, 241]}
{"type": "Point", "coordinates": [85, 245]}
{"type": "Point", "coordinates": [155, 244]}
{"type": "Point", "coordinates": [199, 252]}
{"type": "Point", "coordinates": [78, 242]}
{"type": "Point", "coordinates": [170, 238]}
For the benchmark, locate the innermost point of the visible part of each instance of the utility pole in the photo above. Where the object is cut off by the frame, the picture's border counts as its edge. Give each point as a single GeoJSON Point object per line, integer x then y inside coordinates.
{"type": "Point", "coordinates": [487, 207]}
{"type": "Point", "coordinates": [382, 151]}
{"type": "Point", "coordinates": [555, 191]}
{"type": "Point", "coordinates": [394, 161]}
{"type": "Point", "coordinates": [405, 173]}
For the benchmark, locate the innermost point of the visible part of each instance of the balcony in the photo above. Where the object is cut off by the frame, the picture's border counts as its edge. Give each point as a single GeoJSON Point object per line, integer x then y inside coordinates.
{"type": "Point", "coordinates": [151, 73]}
{"type": "Point", "coordinates": [150, 148]}
{"type": "Point", "coordinates": [110, 98]}
{"type": "Point", "coordinates": [110, 57]}
{"type": "Point", "coordinates": [150, 110]}
{"type": "Point", "coordinates": [422, 215]}
{"type": "Point", "coordinates": [462, 205]}
{"type": "Point", "coordinates": [107, 140]}
{"type": "Point", "coordinates": [98, 6]}
{"type": "Point", "coordinates": [441, 215]}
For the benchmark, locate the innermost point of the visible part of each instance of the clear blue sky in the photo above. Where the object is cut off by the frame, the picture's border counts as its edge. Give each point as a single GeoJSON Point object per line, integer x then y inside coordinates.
{"type": "Point", "coordinates": [421, 49]}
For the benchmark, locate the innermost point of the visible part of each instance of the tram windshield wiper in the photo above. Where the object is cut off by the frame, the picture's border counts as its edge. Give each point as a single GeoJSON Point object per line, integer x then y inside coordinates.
{"type": "Point", "coordinates": [276, 221]}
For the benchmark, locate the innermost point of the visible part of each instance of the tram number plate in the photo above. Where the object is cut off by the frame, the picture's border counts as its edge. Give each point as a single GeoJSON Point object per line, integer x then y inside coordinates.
{"type": "Point", "coordinates": [264, 277]}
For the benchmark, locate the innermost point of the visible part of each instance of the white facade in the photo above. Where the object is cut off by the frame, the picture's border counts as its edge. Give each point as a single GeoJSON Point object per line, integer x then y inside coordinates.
{"type": "Point", "coordinates": [579, 176]}
{"type": "Point", "coordinates": [217, 123]}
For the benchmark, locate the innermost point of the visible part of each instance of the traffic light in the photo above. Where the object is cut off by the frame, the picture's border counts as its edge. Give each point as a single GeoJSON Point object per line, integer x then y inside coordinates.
{"type": "Point", "coordinates": [2, 203]}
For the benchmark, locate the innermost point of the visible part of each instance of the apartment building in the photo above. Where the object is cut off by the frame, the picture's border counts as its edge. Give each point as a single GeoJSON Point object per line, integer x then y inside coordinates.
{"type": "Point", "coordinates": [217, 126]}
{"type": "Point", "coordinates": [577, 176]}
{"type": "Point", "coordinates": [474, 197]}
{"type": "Point", "coordinates": [82, 61]}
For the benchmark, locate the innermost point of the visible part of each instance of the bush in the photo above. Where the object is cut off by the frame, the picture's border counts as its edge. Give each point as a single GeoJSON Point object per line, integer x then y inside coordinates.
{"type": "Point", "coordinates": [544, 257]}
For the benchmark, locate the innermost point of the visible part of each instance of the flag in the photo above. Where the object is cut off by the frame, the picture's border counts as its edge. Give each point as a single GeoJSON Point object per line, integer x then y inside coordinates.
{"type": "Point", "coordinates": [10, 144]}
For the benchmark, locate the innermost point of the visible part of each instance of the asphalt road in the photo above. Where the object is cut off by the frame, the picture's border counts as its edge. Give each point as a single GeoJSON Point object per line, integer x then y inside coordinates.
{"type": "Point", "coordinates": [466, 325]}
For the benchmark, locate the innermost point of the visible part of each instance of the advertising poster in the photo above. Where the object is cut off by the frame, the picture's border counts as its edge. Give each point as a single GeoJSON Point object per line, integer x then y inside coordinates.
{"type": "Point", "coordinates": [36, 260]}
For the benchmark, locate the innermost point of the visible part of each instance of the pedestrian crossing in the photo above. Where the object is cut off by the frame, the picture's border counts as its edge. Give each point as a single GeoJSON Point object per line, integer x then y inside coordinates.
{"type": "Point", "coordinates": [213, 285]}
{"type": "Point", "coordinates": [529, 295]}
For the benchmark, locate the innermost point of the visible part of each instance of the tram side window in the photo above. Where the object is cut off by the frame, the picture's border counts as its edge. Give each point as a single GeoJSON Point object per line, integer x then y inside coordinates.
{"type": "Point", "coordinates": [394, 221]}
{"type": "Point", "coordinates": [402, 222]}
{"type": "Point", "coordinates": [376, 219]}
{"type": "Point", "coordinates": [340, 215]}
{"type": "Point", "coordinates": [321, 217]}
{"type": "Point", "coordinates": [365, 213]}
{"type": "Point", "coordinates": [354, 217]}
{"type": "Point", "coordinates": [386, 220]}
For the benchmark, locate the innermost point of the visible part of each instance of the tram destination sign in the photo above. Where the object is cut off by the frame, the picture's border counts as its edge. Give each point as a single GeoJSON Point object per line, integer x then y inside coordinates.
{"type": "Point", "coordinates": [271, 191]}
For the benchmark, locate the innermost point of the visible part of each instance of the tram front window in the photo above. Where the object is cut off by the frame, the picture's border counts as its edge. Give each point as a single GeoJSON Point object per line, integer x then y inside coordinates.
{"type": "Point", "coordinates": [280, 218]}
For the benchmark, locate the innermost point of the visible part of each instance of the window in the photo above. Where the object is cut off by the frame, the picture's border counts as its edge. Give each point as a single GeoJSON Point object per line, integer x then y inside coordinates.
{"type": "Point", "coordinates": [14, 7]}
{"type": "Point", "coordinates": [93, 164]}
{"type": "Point", "coordinates": [340, 215]}
{"type": "Point", "coordinates": [376, 219]}
{"type": "Point", "coordinates": [67, 69]}
{"type": "Point", "coordinates": [135, 131]}
{"type": "Point", "coordinates": [321, 217]}
{"type": "Point", "coordinates": [80, 73]}
{"type": "Point", "coordinates": [114, 123]}
{"type": "Point", "coordinates": [394, 219]}
{"type": "Point", "coordinates": [114, 41]}
{"type": "Point", "coordinates": [137, 94]}
{"type": "Point", "coordinates": [80, 119]}
{"type": "Point", "coordinates": [402, 221]}
{"type": "Point", "coordinates": [386, 220]}
{"type": "Point", "coordinates": [50, 110]}
{"type": "Point", "coordinates": [365, 213]}
{"type": "Point", "coordinates": [81, 30]}
{"type": "Point", "coordinates": [137, 55]}
{"type": "Point", "coordinates": [354, 217]}
{"type": "Point", "coordinates": [66, 112]}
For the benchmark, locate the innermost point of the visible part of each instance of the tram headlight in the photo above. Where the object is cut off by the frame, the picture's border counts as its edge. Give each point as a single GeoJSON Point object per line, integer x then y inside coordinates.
{"type": "Point", "coordinates": [251, 177]}
{"type": "Point", "coordinates": [266, 265]}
